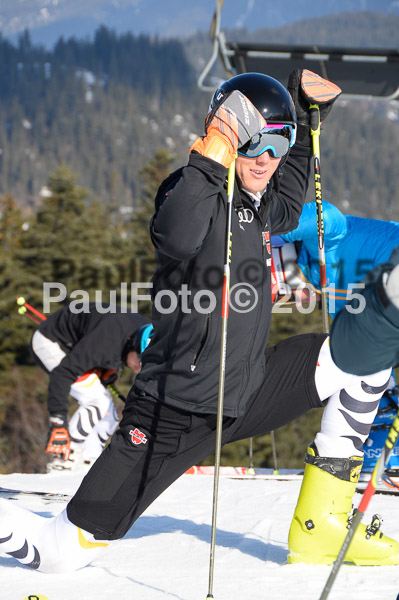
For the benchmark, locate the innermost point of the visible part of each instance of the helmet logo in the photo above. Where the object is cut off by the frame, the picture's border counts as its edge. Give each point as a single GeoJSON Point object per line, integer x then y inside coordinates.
{"type": "Point", "coordinates": [244, 105]}
{"type": "Point", "coordinates": [245, 215]}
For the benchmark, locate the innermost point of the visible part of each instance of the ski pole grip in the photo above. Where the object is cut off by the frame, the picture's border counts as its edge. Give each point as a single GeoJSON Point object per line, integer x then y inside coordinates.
{"type": "Point", "coordinates": [314, 119]}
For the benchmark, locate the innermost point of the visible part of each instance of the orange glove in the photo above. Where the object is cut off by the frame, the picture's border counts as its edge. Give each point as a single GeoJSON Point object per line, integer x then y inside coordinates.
{"type": "Point", "coordinates": [230, 125]}
{"type": "Point", "coordinates": [58, 440]}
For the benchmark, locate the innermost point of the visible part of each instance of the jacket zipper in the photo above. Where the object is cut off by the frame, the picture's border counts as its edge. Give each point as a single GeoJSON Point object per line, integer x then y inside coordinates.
{"type": "Point", "coordinates": [201, 345]}
{"type": "Point", "coordinates": [259, 311]}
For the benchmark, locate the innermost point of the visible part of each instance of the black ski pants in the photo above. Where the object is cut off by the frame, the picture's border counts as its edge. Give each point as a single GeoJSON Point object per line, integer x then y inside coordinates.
{"type": "Point", "coordinates": [156, 443]}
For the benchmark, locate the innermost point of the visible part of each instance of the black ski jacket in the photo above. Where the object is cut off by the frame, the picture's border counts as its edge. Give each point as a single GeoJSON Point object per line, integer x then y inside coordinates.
{"type": "Point", "coordinates": [91, 340]}
{"type": "Point", "coordinates": [188, 230]}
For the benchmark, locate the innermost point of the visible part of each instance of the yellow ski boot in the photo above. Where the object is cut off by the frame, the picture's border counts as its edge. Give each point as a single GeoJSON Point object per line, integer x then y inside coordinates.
{"type": "Point", "coordinates": [322, 514]}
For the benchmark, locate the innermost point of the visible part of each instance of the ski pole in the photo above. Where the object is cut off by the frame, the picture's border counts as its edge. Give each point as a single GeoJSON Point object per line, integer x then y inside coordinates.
{"type": "Point", "coordinates": [21, 311]}
{"type": "Point", "coordinates": [367, 495]}
{"type": "Point", "coordinates": [24, 307]}
{"type": "Point", "coordinates": [319, 91]}
{"type": "Point", "coordinates": [251, 470]}
{"type": "Point", "coordinates": [222, 371]}
{"type": "Point", "coordinates": [315, 133]}
{"type": "Point", "coordinates": [275, 470]}
{"type": "Point", "coordinates": [114, 390]}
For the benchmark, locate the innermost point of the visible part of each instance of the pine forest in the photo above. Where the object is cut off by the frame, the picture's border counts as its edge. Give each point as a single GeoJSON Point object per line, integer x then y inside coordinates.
{"type": "Point", "coordinates": [88, 130]}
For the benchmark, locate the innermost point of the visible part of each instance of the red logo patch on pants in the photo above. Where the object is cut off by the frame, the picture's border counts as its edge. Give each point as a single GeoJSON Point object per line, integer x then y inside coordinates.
{"type": "Point", "coordinates": [138, 437]}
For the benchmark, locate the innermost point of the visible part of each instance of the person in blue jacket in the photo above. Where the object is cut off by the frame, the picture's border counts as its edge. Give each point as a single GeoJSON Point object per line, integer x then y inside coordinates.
{"type": "Point", "coordinates": [353, 246]}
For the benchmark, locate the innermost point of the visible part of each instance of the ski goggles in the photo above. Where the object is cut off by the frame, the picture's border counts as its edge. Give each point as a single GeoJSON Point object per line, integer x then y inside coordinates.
{"type": "Point", "coordinates": [276, 138]}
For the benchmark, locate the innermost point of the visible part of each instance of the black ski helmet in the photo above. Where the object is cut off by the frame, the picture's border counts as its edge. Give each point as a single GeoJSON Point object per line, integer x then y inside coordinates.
{"type": "Point", "coordinates": [268, 95]}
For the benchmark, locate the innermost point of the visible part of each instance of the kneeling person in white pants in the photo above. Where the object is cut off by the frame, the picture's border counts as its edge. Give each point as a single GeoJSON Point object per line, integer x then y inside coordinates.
{"type": "Point", "coordinates": [82, 353]}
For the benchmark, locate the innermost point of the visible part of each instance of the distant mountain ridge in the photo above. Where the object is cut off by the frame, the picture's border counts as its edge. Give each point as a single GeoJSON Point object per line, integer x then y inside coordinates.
{"type": "Point", "coordinates": [103, 108]}
{"type": "Point", "coordinates": [174, 18]}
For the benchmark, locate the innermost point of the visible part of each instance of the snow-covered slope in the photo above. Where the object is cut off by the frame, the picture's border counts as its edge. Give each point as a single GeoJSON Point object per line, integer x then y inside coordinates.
{"type": "Point", "coordinates": [166, 553]}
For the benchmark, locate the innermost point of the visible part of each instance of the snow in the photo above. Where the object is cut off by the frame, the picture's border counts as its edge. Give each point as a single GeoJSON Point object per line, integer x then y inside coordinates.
{"type": "Point", "coordinates": [165, 555]}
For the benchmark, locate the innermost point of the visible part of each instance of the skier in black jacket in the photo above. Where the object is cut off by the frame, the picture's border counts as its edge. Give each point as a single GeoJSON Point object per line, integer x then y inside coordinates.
{"type": "Point", "coordinates": [82, 353]}
{"type": "Point", "coordinates": [169, 420]}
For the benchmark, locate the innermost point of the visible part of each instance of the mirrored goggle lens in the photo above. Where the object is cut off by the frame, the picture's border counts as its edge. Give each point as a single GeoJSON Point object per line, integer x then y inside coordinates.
{"type": "Point", "coordinates": [276, 138]}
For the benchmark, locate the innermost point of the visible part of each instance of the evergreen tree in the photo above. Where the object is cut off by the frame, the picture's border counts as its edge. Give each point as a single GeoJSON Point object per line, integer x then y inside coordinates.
{"type": "Point", "coordinates": [14, 330]}
{"type": "Point", "coordinates": [77, 243]}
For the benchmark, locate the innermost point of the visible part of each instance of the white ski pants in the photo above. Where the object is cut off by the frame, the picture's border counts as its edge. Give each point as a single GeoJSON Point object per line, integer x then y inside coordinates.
{"type": "Point", "coordinates": [95, 419]}
{"type": "Point", "coordinates": [350, 411]}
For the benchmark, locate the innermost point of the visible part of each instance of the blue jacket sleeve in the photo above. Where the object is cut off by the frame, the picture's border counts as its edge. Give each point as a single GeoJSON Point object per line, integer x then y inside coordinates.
{"type": "Point", "coordinates": [335, 230]}
{"type": "Point", "coordinates": [334, 227]}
